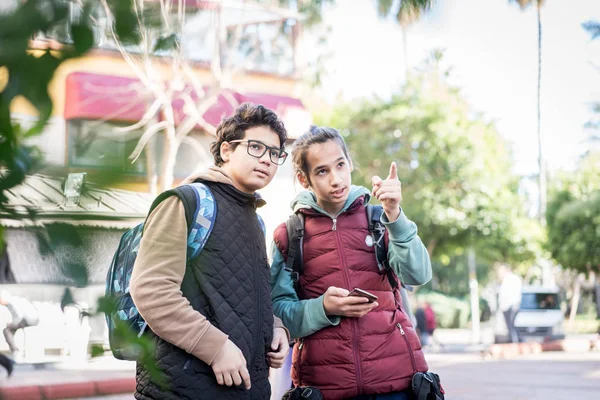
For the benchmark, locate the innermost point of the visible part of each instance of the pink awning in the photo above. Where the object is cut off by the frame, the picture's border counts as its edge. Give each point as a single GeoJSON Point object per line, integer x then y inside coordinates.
{"type": "Point", "coordinates": [117, 98]}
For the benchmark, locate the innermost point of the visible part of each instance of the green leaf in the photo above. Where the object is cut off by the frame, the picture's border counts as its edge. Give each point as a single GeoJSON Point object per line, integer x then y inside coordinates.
{"type": "Point", "coordinates": [77, 271]}
{"type": "Point", "coordinates": [107, 305]}
{"type": "Point", "coordinates": [83, 39]}
{"type": "Point", "coordinates": [126, 24]}
{"type": "Point", "coordinates": [97, 350]}
{"type": "Point", "coordinates": [167, 43]}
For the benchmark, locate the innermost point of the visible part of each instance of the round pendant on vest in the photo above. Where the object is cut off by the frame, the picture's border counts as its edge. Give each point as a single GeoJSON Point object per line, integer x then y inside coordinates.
{"type": "Point", "coordinates": [369, 240]}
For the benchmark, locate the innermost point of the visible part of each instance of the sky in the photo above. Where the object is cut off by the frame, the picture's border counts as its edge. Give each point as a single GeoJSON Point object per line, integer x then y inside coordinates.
{"type": "Point", "coordinates": [491, 46]}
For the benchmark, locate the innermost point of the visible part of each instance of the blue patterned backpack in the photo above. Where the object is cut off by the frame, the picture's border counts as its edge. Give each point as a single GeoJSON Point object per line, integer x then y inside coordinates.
{"type": "Point", "coordinates": [200, 212]}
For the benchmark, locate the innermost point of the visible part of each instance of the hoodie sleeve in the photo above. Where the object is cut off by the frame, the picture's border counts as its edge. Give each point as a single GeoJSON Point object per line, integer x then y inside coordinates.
{"type": "Point", "coordinates": [156, 285]}
{"type": "Point", "coordinates": [406, 253]}
{"type": "Point", "coordinates": [301, 317]}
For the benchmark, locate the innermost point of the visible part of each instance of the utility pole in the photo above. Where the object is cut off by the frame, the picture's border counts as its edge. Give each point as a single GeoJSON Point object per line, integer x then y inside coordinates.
{"type": "Point", "coordinates": [474, 289]}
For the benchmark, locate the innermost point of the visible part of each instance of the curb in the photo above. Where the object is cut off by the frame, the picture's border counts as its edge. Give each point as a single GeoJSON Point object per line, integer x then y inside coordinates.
{"type": "Point", "coordinates": [68, 390]}
{"type": "Point", "coordinates": [511, 350]}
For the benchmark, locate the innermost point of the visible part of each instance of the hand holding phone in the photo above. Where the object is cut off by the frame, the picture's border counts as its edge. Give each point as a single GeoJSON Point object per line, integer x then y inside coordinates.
{"type": "Point", "coordinates": [355, 304]}
{"type": "Point", "coordinates": [363, 293]}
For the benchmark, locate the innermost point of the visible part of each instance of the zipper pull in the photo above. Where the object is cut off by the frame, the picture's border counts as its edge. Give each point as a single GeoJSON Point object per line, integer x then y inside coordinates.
{"type": "Point", "coordinates": [400, 327]}
{"type": "Point", "coordinates": [301, 344]}
{"type": "Point", "coordinates": [334, 227]}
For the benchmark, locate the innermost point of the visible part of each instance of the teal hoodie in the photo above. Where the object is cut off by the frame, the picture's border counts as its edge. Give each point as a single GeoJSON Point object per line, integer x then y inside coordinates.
{"type": "Point", "coordinates": [406, 253]}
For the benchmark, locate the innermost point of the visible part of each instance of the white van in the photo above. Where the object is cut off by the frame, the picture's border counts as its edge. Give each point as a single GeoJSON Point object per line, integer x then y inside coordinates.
{"type": "Point", "coordinates": [540, 318]}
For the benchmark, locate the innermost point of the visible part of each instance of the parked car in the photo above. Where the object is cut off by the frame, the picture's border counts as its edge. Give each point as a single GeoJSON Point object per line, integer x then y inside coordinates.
{"type": "Point", "coordinates": [540, 318]}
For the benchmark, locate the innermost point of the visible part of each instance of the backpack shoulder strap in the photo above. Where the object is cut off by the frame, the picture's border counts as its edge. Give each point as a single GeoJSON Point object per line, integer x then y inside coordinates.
{"type": "Point", "coordinates": [200, 212]}
{"type": "Point", "coordinates": [295, 260]}
{"type": "Point", "coordinates": [377, 230]}
{"type": "Point", "coordinates": [262, 224]}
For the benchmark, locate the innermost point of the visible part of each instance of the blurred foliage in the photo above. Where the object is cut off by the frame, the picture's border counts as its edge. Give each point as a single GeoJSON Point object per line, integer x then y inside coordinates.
{"type": "Point", "coordinates": [29, 73]}
{"type": "Point", "coordinates": [406, 12]}
{"type": "Point", "coordinates": [593, 27]}
{"type": "Point", "coordinates": [583, 324]}
{"type": "Point", "coordinates": [455, 169]}
{"type": "Point", "coordinates": [523, 4]}
{"type": "Point", "coordinates": [573, 217]}
{"type": "Point", "coordinates": [310, 9]}
{"type": "Point", "coordinates": [452, 312]}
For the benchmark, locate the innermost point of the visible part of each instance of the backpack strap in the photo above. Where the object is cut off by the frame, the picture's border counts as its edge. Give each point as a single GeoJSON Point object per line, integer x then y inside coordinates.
{"type": "Point", "coordinates": [205, 212]}
{"type": "Point", "coordinates": [378, 232]}
{"type": "Point", "coordinates": [200, 213]}
{"type": "Point", "coordinates": [295, 259]}
{"type": "Point", "coordinates": [377, 229]}
{"type": "Point", "coordinates": [262, 224]}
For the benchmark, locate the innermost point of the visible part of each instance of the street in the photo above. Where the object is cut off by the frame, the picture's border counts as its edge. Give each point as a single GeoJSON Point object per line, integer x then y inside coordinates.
{"type": "Point", "coordinates": [545, 376]}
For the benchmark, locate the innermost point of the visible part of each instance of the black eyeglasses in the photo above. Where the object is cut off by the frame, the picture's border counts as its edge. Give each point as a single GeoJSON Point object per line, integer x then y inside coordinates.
{"type": "Point", "coordinates": [258, 149]}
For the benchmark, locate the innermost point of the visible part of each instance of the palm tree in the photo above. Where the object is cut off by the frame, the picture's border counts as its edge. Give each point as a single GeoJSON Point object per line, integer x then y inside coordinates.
{"type": "Point", "coordinates": [407, 12]}
{"type": "Point", "coordinates": [541, 162]}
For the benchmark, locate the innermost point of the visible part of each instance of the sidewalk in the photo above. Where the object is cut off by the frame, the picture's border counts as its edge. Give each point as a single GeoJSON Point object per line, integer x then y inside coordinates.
{"type": "Point", "coordinates": [106, 376]}
{"type": "Point", "coordinates": [571, 344]}
{"type": "Point", "coordinates": [460, 341]}
{"type": "Point", "coordinates": [63, 380]}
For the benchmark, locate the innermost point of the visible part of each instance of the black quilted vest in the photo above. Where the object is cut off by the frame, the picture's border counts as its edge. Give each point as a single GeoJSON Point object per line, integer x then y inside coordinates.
{"type": "Point", "coordinates": [229, 284]}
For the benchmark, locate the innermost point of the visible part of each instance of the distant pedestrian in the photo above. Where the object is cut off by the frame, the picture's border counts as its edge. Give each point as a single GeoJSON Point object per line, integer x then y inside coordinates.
{"type": "Point", "coordinates": [431, 321]}
{"type": "Point", "coordinates": [7, 363]}
{"type": "Point", "coordinates": [422, 324]}
{"type": "Point", "coordinates": [509, 299]}
{"type": "Point", "coordinates": [23, 314]}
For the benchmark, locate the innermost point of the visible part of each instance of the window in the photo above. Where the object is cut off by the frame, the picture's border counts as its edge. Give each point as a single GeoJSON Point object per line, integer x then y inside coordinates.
{"type": "Point", "coordinates": [539, 301]}
{"type": "Point", "coordinates": [94, 144]}
{"type": "Point", "coordinates": [61, 31]}
{"type": "Point", "coordinates": [259, 46]}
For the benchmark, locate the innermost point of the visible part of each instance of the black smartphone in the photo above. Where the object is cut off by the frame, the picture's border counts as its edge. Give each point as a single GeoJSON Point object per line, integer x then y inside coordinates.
{"type": "Point", "coordinates": [363, 293]}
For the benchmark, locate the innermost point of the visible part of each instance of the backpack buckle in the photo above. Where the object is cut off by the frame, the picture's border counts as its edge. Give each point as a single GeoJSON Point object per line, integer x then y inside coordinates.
{"type": "Point", "coordinates": [295, 276]}
{"type": "Point", "coordinates": [380, 232]}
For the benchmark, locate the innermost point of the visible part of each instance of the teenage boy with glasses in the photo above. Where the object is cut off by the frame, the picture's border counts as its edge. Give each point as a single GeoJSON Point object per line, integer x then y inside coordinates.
{"type": "Point", "coordinates": [213, 322]}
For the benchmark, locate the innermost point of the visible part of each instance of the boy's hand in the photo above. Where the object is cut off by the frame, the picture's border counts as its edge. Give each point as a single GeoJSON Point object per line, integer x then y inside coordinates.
{"type": "Point", "coordinates": [389, 193]}
{"type": "Point", "coordinates": [337, 302]}
{"type": "Point", "coordinates": [230, 367]}
{"type": "Point", "coordinates": [280, 347]}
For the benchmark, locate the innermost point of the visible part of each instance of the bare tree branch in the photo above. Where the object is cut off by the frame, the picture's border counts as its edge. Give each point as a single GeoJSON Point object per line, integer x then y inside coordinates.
{"type": "Point", "coordinates": [130, 60]}
{"type": "Point", "coordinates": [146, 138]}
{"type": "Point", "coordinates": [146, 118]}
{"type": "Point", "coordinates": [204, 155]}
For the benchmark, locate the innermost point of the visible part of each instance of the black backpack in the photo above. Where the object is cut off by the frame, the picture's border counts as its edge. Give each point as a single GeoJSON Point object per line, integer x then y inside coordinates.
{"type": "Point", "coordinates": [295, 259]}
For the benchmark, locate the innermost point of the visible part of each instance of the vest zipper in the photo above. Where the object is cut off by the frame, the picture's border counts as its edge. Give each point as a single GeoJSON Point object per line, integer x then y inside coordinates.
{"type": "Point", "coordinates": [334, 227]}
{"type": "Point", "coordinates": [410, 351]}
{"type": "Point", "coordinates": [259, 322]}
{"type": "Point", "coordinates": [353, 322]}
{"type": "Point", "coordinates": [300, 347]}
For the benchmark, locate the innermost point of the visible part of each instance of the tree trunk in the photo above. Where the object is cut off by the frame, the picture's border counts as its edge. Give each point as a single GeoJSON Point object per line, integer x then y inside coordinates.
{"type": "Point", "coordinates": [151, 174]}
{"type": "Point", "coordinates": [575, 302]}
{"type": "Point", "coordinates": [474, 290]}
{"type": "Point", "coordinates": [405, 49]}
{"type": "Point", "coordinates": [541, 160]}
{"type": "Point", "coordinates": [431, 245]}
{"type": "Point", "coordinates": [597, 296]}
{"type": "Point", "coordinates": [170, 148]}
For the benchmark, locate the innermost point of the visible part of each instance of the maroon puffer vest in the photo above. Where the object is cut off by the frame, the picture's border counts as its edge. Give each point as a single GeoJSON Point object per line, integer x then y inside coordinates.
{"type": "Point", "coordinates": [377, 353]}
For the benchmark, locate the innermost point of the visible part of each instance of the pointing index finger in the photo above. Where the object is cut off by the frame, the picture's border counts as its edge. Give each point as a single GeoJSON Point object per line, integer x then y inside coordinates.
{"type": "Point", "coordinates": [393, 171]}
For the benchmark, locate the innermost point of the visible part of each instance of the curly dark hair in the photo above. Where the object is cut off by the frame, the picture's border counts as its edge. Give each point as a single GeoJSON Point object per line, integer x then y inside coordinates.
{"type": "Point", "coordinates": [246, 116]}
